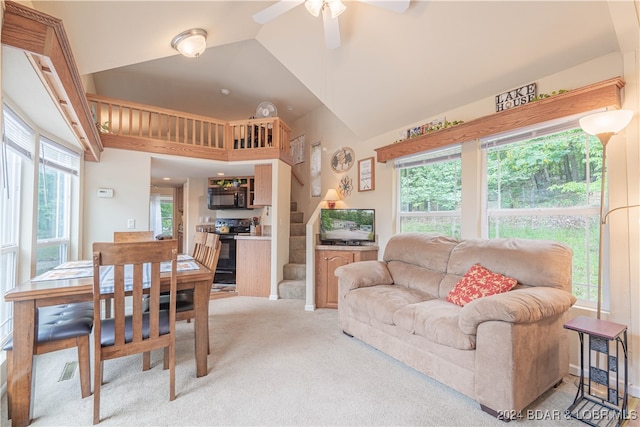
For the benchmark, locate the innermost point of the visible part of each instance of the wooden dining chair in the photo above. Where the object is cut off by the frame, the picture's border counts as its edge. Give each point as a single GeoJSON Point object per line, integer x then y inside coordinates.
{"type": "Point", "coordinates": [199, 242]}
{"type": "Point", "coordinates": [207, 254]}
{"type": "Point", "coordinates": [132, 236]}
{"type": "Point", "coordinates": [122, 269]}
{"type": "Point", "coordinates": [60, 327]}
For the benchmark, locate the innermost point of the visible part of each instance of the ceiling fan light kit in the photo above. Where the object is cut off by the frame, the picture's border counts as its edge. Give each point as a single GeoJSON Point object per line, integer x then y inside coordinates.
{"type": "Point", "coordinates": [330, 10]}
{"type": "Point", "coordinates": [316, 6]}
{"type": "Point", "coordinates": [190, 43]}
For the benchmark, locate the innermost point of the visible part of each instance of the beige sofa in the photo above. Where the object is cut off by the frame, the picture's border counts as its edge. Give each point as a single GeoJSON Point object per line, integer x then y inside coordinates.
{"type": "Point", "coordinates": [503, 350]}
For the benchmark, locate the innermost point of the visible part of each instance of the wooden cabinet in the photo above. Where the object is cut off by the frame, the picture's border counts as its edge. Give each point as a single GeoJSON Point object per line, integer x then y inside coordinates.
{"type": "Point", "coordinates": [262, 185]}
{"type": "Point", "coordinates": [253, 266]}
{"type": "Point", "coordinates": [330, 258]}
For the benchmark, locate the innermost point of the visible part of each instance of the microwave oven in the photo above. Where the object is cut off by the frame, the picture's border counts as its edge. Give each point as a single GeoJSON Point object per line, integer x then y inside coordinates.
{"type": "Point", "coordinates": [227, 198]}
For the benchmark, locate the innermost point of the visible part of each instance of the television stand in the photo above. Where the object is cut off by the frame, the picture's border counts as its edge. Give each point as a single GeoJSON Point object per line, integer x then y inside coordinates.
{"type": "Point", "coordinates": [328, 258]}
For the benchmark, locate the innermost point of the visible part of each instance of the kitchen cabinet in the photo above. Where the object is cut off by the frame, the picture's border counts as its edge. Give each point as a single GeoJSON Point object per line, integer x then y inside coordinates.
{"type": "Point", "coordinates": [328, 258]}
{"type": "Point", "coordinates": [253, 266]}
{"type": "Point", "coordinates": [262, 185]}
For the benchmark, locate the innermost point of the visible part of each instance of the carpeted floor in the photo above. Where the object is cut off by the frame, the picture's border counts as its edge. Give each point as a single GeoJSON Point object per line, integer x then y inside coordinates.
{"type": "Point", "coordinates": [271, 363]}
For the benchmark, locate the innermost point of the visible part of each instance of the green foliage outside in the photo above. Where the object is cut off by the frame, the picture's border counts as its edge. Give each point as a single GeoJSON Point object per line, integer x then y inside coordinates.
{"type": "Point", "coordinates": [562, 170]}
{"type": "Point", "coordinates": [166, 216]}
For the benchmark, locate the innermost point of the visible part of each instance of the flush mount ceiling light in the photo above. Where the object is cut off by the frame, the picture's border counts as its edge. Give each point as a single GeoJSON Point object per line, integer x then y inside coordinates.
{"type": "Point", "coordinates": [190, 43]}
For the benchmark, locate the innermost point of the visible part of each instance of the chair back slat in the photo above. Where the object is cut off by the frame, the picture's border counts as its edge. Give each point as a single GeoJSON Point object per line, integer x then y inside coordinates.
{"type": "Point", "coordinates": [199, 242]}
{"type": "Point", "coordinates": [212, 252]}
{"type": "Point", "coordinates": [118, 303]}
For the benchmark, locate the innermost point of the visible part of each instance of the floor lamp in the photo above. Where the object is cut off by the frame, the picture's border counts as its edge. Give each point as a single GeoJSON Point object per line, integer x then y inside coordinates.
{"type": "Point", "coordinates": [604, 125]}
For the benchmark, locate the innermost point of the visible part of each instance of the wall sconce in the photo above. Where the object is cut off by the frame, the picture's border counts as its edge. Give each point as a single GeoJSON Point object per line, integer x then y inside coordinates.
{"type": "Point", "coordinates": [331, 198]}
{"type": "Point", "coordinates": [604, 125]}
{"type": "Point", "coordinates": [190, 43]}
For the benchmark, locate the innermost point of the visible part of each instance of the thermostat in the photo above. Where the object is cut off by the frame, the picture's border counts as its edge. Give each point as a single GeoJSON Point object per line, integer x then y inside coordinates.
{"type": "Point", "coordinates": [105, 192]}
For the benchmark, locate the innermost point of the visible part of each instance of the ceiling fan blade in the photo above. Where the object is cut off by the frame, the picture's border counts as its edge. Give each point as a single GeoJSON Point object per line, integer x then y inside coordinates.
{"type": "Point", "coordinates": [275, 10]}
{"type": "Point", "coordinates": [331, 29]}
{"type": "Point", "coordinates": [398, 6]}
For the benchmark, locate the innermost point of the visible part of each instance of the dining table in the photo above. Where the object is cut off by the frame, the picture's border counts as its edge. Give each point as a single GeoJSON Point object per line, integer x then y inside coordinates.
{"type": "Point", "coordinates": [72, 283]}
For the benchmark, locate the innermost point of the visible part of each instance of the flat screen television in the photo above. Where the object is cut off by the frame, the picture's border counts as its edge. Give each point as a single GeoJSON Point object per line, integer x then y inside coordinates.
{"type": "Point", "coordinates": [347, 226]}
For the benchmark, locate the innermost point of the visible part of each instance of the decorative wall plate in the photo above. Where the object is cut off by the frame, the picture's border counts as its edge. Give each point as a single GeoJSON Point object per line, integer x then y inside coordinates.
{"type": "Point", "coordinates": [342, 160]}
{"type": "Point", "coordinates": [345, 187]}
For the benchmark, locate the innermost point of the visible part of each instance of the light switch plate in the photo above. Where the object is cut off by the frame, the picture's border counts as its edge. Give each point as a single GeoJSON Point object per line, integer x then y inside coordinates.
{"type": "Point", "coordinates": [131, 223]}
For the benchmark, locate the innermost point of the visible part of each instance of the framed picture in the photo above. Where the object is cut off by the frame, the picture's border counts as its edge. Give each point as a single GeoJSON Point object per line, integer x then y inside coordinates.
{"type": "Point", "coordinates": [366, 174]}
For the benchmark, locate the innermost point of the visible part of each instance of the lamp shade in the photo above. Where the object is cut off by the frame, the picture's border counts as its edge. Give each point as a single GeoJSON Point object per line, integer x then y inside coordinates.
{"type": "Point", "coordinates": [190, 43]}
{"type": "Point", "coordinates": [332, 195]}
{"type": "Point", "coordinates": [606, 122]}
{"type": "Point", "coordinates": [331, 198]}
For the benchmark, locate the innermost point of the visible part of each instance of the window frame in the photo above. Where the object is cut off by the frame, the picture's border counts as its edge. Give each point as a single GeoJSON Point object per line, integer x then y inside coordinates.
{"type": "Point", "coordinates": [474, 153]}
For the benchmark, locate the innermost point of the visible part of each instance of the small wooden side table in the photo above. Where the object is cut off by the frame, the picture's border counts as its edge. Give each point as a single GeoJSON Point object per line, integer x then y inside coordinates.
{"type": "Point", "coordinates": [588, 407]}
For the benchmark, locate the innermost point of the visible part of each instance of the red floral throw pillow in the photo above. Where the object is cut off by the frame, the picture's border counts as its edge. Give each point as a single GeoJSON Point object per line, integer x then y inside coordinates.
{"type": "Point", "coordinates": [479, 282]}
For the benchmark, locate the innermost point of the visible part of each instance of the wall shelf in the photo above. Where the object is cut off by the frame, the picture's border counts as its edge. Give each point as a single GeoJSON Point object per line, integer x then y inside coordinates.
{"type": "Point", "coordinates": [604, 94]}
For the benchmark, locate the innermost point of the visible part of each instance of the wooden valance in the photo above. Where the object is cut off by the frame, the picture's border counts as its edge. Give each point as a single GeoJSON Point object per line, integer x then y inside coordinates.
{"type": "Point", "coordinates": [43, 39]}
{"type": "Point", "coordinates": [605, 94]}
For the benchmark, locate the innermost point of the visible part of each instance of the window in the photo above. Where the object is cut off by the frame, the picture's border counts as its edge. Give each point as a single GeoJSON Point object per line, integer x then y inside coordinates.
{"type": "Point", "coordinates": [17, 147]}
{"type": "Point", "coordinates": [161, 214]}
{"type": "Point", "coordinates": [539, 183]}
{"type": "Point", "coordinates": [548, 187]}
{"type": "Point", "coordinates": [430, 192]}
{"type": "Point", "coordinates": [57, 172]}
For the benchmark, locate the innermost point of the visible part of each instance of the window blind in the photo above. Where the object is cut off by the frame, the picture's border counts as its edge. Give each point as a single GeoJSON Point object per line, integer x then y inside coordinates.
{"type": "Point", "coordinates": [16, 134]}
{"type": "Point", "coordinates": [451, 152]}
{"type": "Point", "coordinates": [59, 157]}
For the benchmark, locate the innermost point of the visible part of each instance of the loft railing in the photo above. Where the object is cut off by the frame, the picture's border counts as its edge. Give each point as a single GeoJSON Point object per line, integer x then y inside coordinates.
{"type": "Point", "coordinates": [240, 139]}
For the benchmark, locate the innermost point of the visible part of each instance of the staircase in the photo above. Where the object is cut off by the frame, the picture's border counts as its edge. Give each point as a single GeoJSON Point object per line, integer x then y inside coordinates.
{"type": "Point", "coordinates": [293, 285]}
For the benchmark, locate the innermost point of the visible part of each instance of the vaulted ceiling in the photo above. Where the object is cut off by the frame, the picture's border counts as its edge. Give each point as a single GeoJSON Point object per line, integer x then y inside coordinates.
{"type": "Point", "coordinates": [392, 69]}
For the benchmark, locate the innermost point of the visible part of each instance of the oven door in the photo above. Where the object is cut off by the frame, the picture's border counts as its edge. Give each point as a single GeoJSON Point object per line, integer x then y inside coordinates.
{"type": "Point", "coordinates": [226, 269]}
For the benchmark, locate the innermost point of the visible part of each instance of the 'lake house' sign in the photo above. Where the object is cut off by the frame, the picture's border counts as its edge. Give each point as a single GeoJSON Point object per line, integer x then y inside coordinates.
{"type": "Point", "coordinates": [515, 97]}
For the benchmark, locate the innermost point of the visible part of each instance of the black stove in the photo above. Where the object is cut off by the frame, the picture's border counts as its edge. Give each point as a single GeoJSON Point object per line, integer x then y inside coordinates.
{"type": "Point", "coordinates": [227, 229]}
{"type": "Point", "coordinates": [232, 226]}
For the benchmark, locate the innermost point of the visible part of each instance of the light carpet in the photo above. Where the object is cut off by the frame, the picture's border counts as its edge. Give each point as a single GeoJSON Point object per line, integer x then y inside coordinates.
{"type": "Point", "coordinates": [271, 363]}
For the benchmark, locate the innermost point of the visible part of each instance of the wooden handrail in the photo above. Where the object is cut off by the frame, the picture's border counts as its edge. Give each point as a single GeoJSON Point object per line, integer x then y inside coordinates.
{"type": "Point", "coordinates": [129, 125]}
{"type": "Point", "coordinates": [297, 177]}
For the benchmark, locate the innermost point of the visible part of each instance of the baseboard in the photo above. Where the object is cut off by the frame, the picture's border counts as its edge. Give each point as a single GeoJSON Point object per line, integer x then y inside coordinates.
{"type": "Point", "coordinates": [310, 307]}
{"type": "Point", "coordinates": [634, 390]}
{"type": "Point", "coordinates": [273, 297]}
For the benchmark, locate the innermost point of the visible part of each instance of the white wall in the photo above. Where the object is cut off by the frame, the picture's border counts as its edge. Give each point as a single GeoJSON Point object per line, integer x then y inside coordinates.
{"type": "Point", "coordinates": [128, 173]}
{"type": "Point", "coordinates": [624, 178]}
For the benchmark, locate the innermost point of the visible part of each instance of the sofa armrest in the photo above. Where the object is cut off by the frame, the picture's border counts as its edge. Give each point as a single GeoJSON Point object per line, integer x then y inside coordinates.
{"type": "Point", "coordinates": [362, 274]}
{"type": "Point", "coordinates": [524, 305]}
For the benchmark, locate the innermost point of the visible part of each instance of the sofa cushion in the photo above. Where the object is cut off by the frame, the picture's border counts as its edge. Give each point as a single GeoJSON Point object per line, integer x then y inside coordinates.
{"type": "Point", "coordinates": [415, 277]}
{"type": "Point", "coordinates": [477, 283]}
{"type": "Point", "coordinates": [380, 302]}
{"type": "Point", "coordinates": [530, 262]}
{"type": "Point", "coordinates": [425, 250]}
{"type": "Point", "coordinates": [436, 320]}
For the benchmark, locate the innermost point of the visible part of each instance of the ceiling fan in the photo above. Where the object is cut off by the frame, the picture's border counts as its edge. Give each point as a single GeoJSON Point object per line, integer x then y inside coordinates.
{"type": "Point", "coordinates": [330, 10]}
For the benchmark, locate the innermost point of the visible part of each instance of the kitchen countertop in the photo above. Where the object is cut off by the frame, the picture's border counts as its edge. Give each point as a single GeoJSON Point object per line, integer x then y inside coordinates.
{"type": "Point", "coordinates": [249, 236]}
